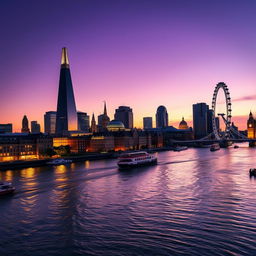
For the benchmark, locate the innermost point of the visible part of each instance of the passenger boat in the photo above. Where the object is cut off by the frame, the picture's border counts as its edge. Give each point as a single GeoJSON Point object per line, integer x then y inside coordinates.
{"type": "Point", "coordinates": [59, 161]}
{"type": "Point", "coordinates": [215, 147]}
{"type": "Point", "coordinates": [6, 188]}
{"type": "Point", "coordinates": [135, 159]}
{"type": "Point", "coordinates": [178, 149]}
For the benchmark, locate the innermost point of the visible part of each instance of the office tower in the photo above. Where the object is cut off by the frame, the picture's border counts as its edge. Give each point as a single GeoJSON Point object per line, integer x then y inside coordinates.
{"type": "Point", "coordinates": [66, 118]}
{"type": "Point", "coordinates": [217, 122]}
{"type": "Point", "coordinates": [161, 117]}
{"type": "Point", "coordinates": [35, 127]}
{"type": "Point", "coordinates": [50, 122]}
{"type": "Point", "coordinates": [103, 119]}
{"type": "Point", "coordinates": [25, 128]}
{"type": "Point", "coordinates": [209, 121]}
{"type": "Point", "coordinates": [251, 127]}
{"type": "Point", "coordinates": [93, 124]}
{"type": "Point", "coordinates": [200, 116]}
{"type": "Point", "coordinates": [83, 121]}
{"type": "Point", "coordinates": [5, 128]}
{"type": "Point", "coordinates": [125, 115]}
{"type": "Point", "coordinates": [147, 123]}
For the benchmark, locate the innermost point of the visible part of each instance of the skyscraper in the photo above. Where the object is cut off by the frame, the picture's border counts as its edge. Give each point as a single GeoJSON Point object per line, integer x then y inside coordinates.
{"type": "Point", "coordinates": [50, 122]}
{"type": "Point", "coordinates": [125, 115]}
{"type": "Point", "coordinates": [147, 123]}
{"type": "Point", "coordinates": [161, 117]}
{"type": "Point", "coordinates": [83, 121]}
{"type": "Point", "coordinates": [35, 127]}
{"type": "Point", "coordinates": [5, 128]}
{"type": "Point", "coordinates": [25, 127]}
{"type": "Point", "coordinates": [66, 119]}
{"type": "Point", "coordinates": [200, 116]}
{"type": "Point", "coordinates": [103, 119]}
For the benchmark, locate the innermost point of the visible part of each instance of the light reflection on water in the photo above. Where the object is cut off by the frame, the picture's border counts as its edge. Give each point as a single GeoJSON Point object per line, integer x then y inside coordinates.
{"type": "Point", "coordinates": [194, 202]}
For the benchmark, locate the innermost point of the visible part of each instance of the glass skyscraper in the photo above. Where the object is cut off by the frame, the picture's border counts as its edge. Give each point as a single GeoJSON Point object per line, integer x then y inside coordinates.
{"type": "Point", "coordinates": [66, 118]}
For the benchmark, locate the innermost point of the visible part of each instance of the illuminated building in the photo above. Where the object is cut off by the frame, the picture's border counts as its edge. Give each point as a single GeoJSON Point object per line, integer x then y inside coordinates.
{"type": "Point", "coordinates": [183, 124]}
{"type": "Point", "coordinates": [161, 117]}
{"type": "Point", "coordinates": [23, 146]}
{"type": "Point", "coordinates": [251, 127]}
{"type": "Point", "coordinates": [125, 115]}
{"type": "Point", "coordinates": [93, 124]}
{"type": "Point", "coordinates": [25, 128]}
{"type": "Point", "coordinates": [66, 118]}
{"type": "Point", "coordinates": [115, 125]}
{"type": "Point", "coordinates": [83, 121]}
{"type": "Point", "coordinates": [35, 127]}
{"type": "Point", "coordinates": [103, 120]}
{"type": "Point", "coordinates": [147, 123]}
{"type": "Point", "coordinates": [5, 128]}
{"type": "Point", "coordinates": [50, 122]}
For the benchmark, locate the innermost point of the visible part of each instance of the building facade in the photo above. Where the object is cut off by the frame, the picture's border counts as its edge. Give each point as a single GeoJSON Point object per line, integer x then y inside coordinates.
{"type": "Point", "coordinates": [147, 123]}
{"type": "Point", "coordinates": [66, 118]}
{"type": "Point", "coordinates": [161, 117]}
{"type": "Point", "coordinates": [5, 128]}
{"type": "Point", "coordinates": [50, 122]}
{"type": "Point", "coordinates": [83, 121]}
{"type": "Point", "coordinates": [35, 127]}
{"type": "Point", "coordinates": [200, 120]}
{"type": "Point", "coordinates": [125, 115]}
{"type": "Point", "coordinates": [25, 128]}
{"type": "Point", "coordinates": [103, 120]}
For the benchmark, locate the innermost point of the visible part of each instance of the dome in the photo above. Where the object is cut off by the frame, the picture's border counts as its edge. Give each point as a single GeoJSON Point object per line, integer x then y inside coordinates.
{"type": "Point", "coordinates": [183, 124]}
{"type": "Point", "coordinates": [115, 125]}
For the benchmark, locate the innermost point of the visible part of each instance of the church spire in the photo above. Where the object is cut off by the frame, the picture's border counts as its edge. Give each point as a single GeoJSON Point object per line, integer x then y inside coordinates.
{"type": "Point", "coordinates": [105, 108]}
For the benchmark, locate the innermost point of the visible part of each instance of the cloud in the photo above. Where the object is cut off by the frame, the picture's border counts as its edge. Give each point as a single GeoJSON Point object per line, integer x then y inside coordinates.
{"type": "Point", "coordinates": [245, 98]}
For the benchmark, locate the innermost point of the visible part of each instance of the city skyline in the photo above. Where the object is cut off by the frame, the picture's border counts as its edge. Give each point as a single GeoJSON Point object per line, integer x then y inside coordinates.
{"type": "Point", "coordinates": [123, 64]}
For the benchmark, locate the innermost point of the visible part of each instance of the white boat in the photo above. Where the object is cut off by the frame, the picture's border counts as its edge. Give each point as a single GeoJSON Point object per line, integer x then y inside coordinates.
{"type": "Point", "coordinates": [178, 149]}
{"type": "Point", "coordinates": [136, 159]}
{"type": "Point", "coordinates": [59, 161]}
{"type": "Point", "coordinates": [215, 147]}
{"type": "Point", "coordinates": [6, 188]}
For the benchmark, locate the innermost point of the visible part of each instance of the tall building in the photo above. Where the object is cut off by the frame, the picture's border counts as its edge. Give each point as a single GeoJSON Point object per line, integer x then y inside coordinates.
{"type": "Point", "coordinates": [251, 127]}
{"type": "Point", "coordinates": [25, 127]}
{"type": "Point", "coordinates": [66, 118]}
{"type": "Point", "coordinates": [93, 124]}
{"type": "Point", "coordinates": [125, 115]}
{"type": "Point", "coordinates": [147, 123]}
{"type": "Point", "coordinates": [209, 121]}
{"type": "Point", "coordinates": [103, 119]}
{"type": "Point", "coordinates": [5, 128]}
{"type": "Point", "coordinates": [50, 122]}
{"type": "Point", "coordinates": [83, 121]}
{"type": "Point", "coordinates": [200, 118]}
{"type": "Point", "coordinates": [35, 127]}
{"type": "Point", "coordinates": [161, 117]}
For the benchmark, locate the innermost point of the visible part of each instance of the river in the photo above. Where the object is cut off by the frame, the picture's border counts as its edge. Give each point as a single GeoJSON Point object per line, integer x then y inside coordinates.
{"type": "Point", "coordinates": [194, 202]}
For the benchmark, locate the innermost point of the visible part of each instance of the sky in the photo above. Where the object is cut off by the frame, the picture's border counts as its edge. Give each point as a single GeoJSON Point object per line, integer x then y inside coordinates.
{"type": "Point", "coordinates": [139, 53]}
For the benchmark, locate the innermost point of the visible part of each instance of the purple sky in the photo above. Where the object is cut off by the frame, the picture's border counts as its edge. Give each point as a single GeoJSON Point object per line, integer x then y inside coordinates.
{"type": "Point", "coordinates": [136, 53]}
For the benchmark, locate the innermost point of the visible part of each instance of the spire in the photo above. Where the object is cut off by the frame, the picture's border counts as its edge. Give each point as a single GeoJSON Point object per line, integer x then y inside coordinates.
{"type": "Point", "coordinates": [105, 108]}
{"type": "Point", "coordinates": [93, 118]}
{"type": "Point", "coordinates": [64, 57]}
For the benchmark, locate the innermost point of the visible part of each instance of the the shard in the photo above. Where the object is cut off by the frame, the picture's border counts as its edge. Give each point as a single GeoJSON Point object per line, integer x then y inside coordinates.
{"type": "Point", "coordinates": [66, 118]}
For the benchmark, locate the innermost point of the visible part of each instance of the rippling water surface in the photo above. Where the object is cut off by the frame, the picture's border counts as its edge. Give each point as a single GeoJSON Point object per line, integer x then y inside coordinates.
{"type": "Point", "coordinates": [194, 202]}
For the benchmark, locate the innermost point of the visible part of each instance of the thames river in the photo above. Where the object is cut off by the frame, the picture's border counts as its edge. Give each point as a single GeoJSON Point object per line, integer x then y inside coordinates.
{"type": "Point", "coordinates": [194, 202]}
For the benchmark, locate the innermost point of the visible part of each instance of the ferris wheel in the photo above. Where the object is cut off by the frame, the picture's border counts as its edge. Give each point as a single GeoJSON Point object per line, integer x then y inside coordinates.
{"type": "Point", "coordinates": [226, 116]}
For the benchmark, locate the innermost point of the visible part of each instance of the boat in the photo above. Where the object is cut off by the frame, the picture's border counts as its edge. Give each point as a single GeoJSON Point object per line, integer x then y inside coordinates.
{"type": "Point", "coordinates": [236, 146]}
{"type": "Point", "coordinates": [136, 159]}
{"type": "Point", "coordinates": [6, 188]}
{"type": "Point", "coordinates": [59, 161]}
{"type": "Point", "coordinates": [252, 171]}
{"type": "Point", "coordinates": [215, 147]}
{"type": "Point", "coordinates": [178, 149]}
